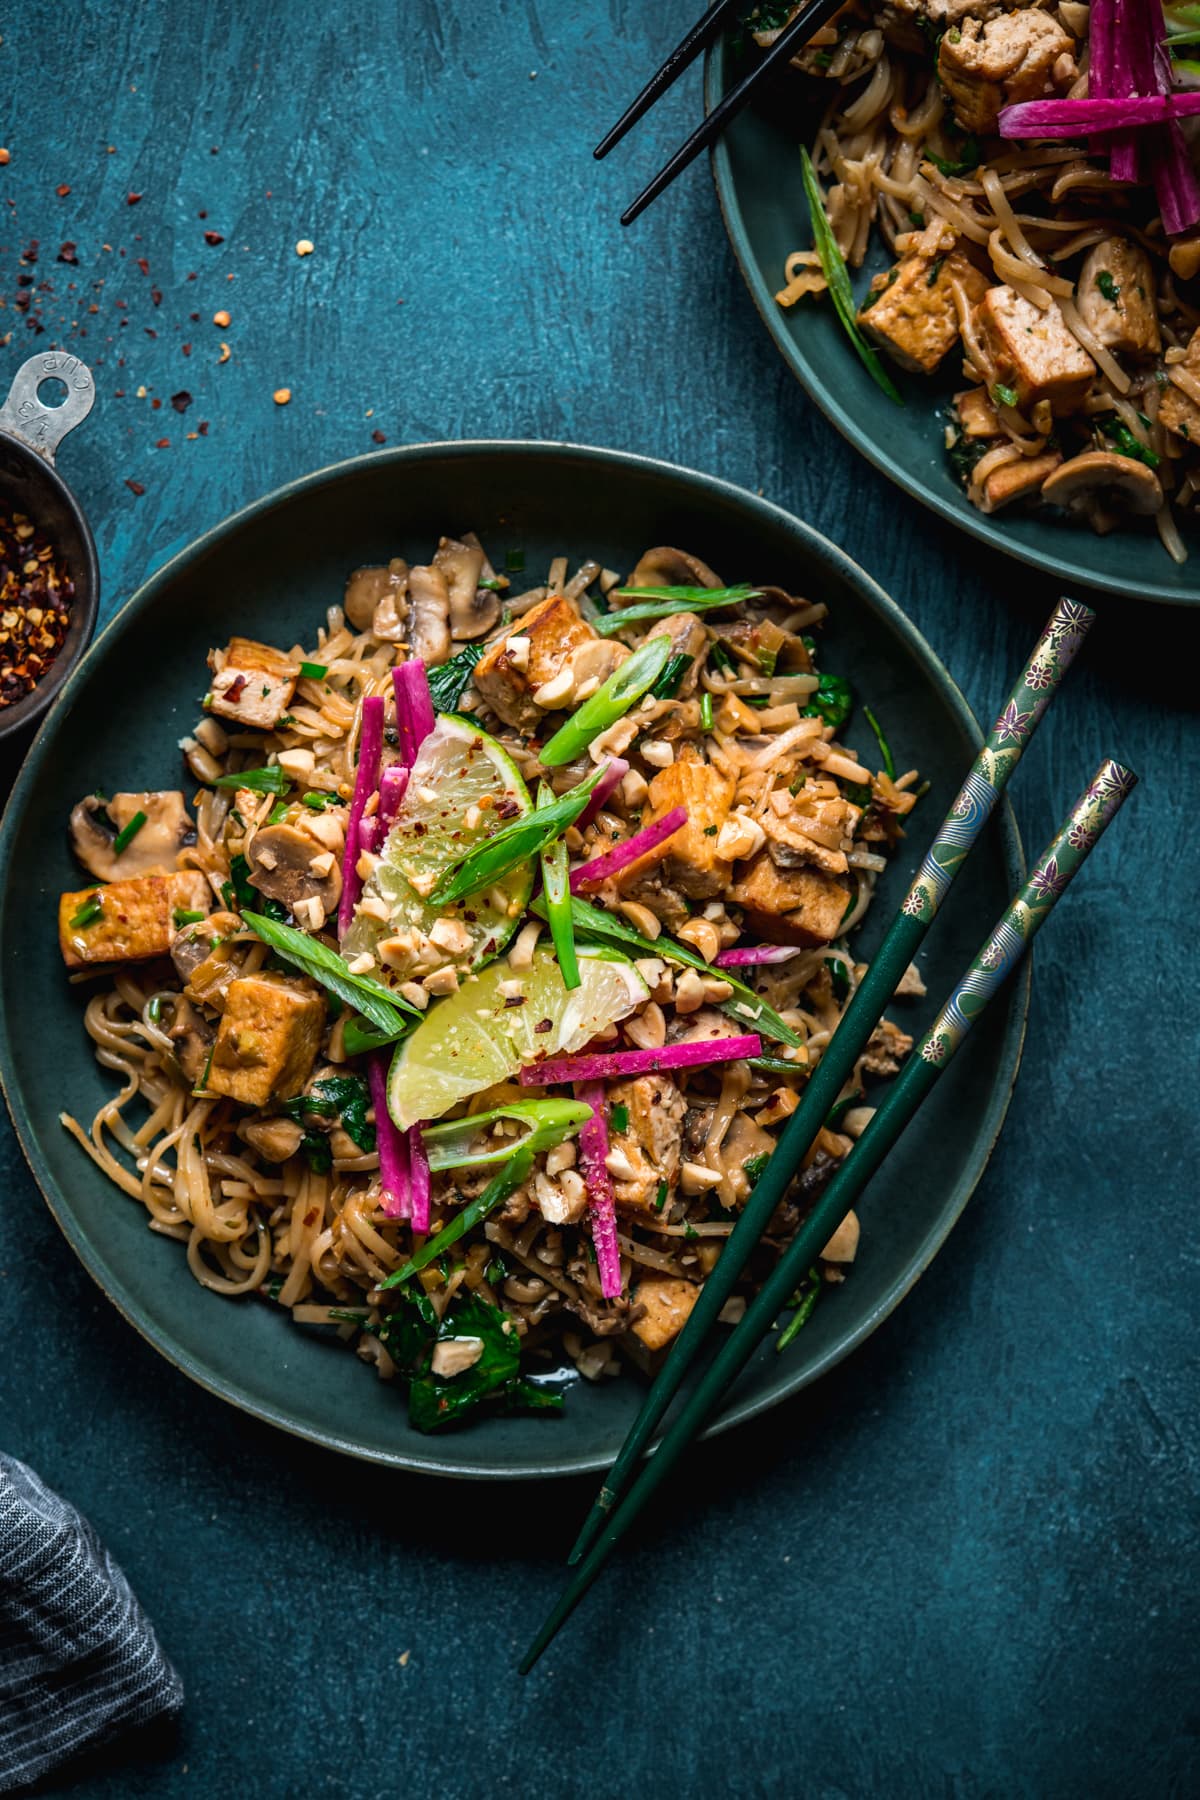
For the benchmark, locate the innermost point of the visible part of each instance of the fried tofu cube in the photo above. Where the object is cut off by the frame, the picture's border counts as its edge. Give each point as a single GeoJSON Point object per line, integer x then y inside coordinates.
{"type": "Point", "coordinates": [1177, 410]}
{"type": "Point", "coordinates": [645, 1142]}
{"type": "Point", "coordinates": [985, 66]}
{"type": "Point", "coordinates": [793, 906]}
{"type": "Point", "coordinates": [1034, 352]}
{"type": "Point", "coordinates": [254, 686]}
{"type": "Point", "coordinates": [688, 859]}
{"type": "Point", "coordinates": [976, 414]}
{"type": "Point", "coordinates": [544, 643]}
{"type": "Point", "coordinates": [1017, 480]}
{"type": "Point", "coordinates": [268, 1041]}
{"type": "Point", "coordinates": [1116, 297]}
{"type": "Point", "coordinates": [912, 316]}
{"type": "Point", "coordinates": [127, 921]}
{"type": "Point", "coordinates": [668, 1303]}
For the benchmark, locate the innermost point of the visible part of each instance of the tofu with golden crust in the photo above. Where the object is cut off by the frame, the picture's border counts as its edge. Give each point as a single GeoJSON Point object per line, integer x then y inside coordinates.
{"type": "Point", "coordinates": [1177, 410]}
{"type": "Point", "coordinates": [1034, 352]}
{"type": "Point", "coordinates": [268, 1040]}
{"type": "Point", "coordinates": [986, 65]}
{"type": "Point", "coordinates": [1116, 297]}
{"type": "Point", "coordinates": [645, 1142]}
{"type": "Point", "coordinates": [668, 1303]}
{"type": "Point", "coordinates": [127, 921]}
{"type": "Point", "coordinates": [254, 685]}
{"type": "Point", "coordinates": [688, 860]}
{"type": "Point", "coordinates": [792, 906]}
{"type": "Point", "coordinates": [543, 643]}
{"type": "Point", "coordinates": [912, 316]}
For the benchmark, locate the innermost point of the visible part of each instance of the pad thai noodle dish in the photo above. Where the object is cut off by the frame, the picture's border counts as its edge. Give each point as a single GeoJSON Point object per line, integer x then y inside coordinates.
{"type": "Point", "coordinates": [1027, 166]}
{"type": "Point", "coordinates": [461, 990]}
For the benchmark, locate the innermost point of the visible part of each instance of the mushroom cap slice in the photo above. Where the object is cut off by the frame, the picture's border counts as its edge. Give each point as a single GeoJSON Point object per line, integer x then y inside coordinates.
{"type": "Point", "coordinates": [473, 610]}
{"type": "Point", "coordinates": [281, 866]}
{"type": "Point", "coordinates": [152, 850]}
{"type": "Point", "coordinates": [368, 587]}
{"type": "Point", "coordinates": [1116, 482]}
{"type": "Point", "coordinates": [665, 567]}
{"type": "Point", "coordinates": [429, 600]}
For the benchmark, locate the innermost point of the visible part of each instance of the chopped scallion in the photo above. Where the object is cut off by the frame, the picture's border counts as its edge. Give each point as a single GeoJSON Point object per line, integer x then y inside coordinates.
{"type": "Point", "coordinates": [88, 913]}
{"type": "Point", "coordinates": [184, 915]}
{"type": "Point", "coordinates": [314, 671]}
{"type": "Point", "coordinates": [706, 712]}
{"type": "Point", "coordinates": [127, 833]}
{"type": "Point", "coordinates": [318, 802]}
{"type": "Point", "coordinates": [620, 1117]}
{"type": "Point", "coordinates": [611, 701]}
{"type": "Point", "coordinates": [884, 747]}
{"type": "Point", "coordinates": [837, 277]}
{"type": "Point", "coordinates": [270, 780]}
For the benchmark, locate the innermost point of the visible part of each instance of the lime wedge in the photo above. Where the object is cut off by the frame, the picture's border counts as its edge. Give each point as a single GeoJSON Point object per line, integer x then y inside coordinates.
{"type": "Point", "coordinates": [462, 785]}
{"type": "Point", "coordinates": [490, 1028]}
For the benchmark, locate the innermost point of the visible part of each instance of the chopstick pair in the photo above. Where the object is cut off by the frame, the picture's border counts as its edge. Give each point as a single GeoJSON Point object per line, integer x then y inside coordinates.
{"type": "Point", "coordinates": [1009, 736]}
{"type": "Point", "coordinates": [792, 38]}
{"type": "Point", "coordinates": [999, 955]}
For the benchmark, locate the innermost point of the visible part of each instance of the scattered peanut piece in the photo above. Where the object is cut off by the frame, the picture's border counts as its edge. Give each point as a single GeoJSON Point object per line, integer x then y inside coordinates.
{"type": "Point", "coordinates": [305, 247]}
{"type": "Point", "coordinates": [222, 318]}
{"type": "Point", "coordinates": [225, 354]}
{"type": "Point", "coordinates": [5, 156]}
{"type": "Point", "coordinates": [281, 396]}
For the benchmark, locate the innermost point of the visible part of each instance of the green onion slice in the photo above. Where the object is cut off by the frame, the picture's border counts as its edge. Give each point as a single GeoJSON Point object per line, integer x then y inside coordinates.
{"type": "Point", "coordinates": [314, 671]}
{"type": "Point", "coordinates": [514, 844]}
{"type": "Point", "coordinates": [493, 1195]}
{"type": "Point", "coordinates": [885, 749]}
{"type": "Point", "coordinates": [611, 701]}
{"type": "Point", "coordinates": [469, 1143]}
{"type": "Point", "coordinates": [556, 886]}
{"type": "Point", "coordinates": [88, 913]}
{"type": "Point", "coordinates": [660, 603]}
{"type": "Point", "coordinates": [128, 832]}
{"type": "Point", "coordinates": [833, 266]}
{"type": "Point", "coordinates": [183, 915]}
{"type": "Point", "coordinates": [271, 780]}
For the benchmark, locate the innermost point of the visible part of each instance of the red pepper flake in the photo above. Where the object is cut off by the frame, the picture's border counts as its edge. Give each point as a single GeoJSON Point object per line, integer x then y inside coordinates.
{"type": "Point", "coordinates": [202, 215]}
{"type": "Point", "coordinates": [379, 437]}
{"type": "Point", "coordinates": [35, 599]}
{"type": "Point", "coordinates": [62, 190]}
{"type": "Point", "coordinates": [202, 428]}
{"type": "Point", "coordinates": [149, 333]}
{"type": "Point", "coordinates": [132, 199]}
{"type": "Point", "coordinates": [186, 348]}
{"type": "Point", "coordinates": [154, 405]}
{"type": "Point", "coordinates": [135, 487]}
{"type": "Point", "coordinates": [181, 401]}
{"type": "Point", "coordinates": [143, 265]}
{"type": "Point", "coordinates": [66, 253]}
{"type": "Point", "coordinates": [213, 237]}
{"type": "Point", "coordinates": [233, 692]}
{"type": "Point", "coordinates": [156, 296]}
{"type": "Point", "coordinates": [163, 444]}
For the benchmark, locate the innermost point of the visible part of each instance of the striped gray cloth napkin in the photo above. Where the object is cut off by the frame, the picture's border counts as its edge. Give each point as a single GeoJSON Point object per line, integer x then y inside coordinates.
{"type": "Point", "coordinates": [79, 1660]}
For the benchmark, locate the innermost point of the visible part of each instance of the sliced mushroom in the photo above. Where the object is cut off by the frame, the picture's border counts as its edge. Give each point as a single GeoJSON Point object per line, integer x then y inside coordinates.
{"type": "Point", "coordinates": [193, 1035]}
{"type": "Point", "coordinates": [473, 610]}
{"type": "Point", "coordinates": [281, 866]}
{"type": "Point", "coordinates": [154, 847]}
{"type": "Point", "coordinates": [429, 599]}
{"type": "Point", "coordinates": [1104, 487]}
{"type": "Point", "coordinates": [664, 567]}
{"type": "Point", "coordinates": [369, 587]}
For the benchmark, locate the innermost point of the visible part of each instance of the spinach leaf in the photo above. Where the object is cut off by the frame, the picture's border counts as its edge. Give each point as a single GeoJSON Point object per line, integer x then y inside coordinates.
{"type": "Point", "coordinates": [438, 1400]}
{"type": "Point", "coordinates": [450, 680]}
{"type": "Point", "coordinates": [344, 1097]}
{"type": "Point", "coordinates": [833, 701]}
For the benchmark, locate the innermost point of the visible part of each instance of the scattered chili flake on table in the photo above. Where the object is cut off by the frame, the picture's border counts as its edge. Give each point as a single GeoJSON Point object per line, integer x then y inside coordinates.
{"type": "Point", "coordinates": [35, 605]}
{"type": "Point", "coordinates": [213, 237]}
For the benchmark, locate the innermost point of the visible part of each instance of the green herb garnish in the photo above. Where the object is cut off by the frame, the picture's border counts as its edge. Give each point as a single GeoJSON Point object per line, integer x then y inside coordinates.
{"type": "Point", "coordinates": [804, 1299]}
{"type": "Point", "coordinates": [660, 1197]}
{"type": "Point", "coordinates": [968, 161]}
{"type": "Point", "coordinates": [754, 1165]}
{"type": "Point", "coordinates": [556, 885]}
{"type": "Point", "coordinates": [884, 747]}
{"type": "Point", "coordinates": [706, 712]}
{"type": "Point", "coordinates": [1108, 286]}
{"type": "Point", "coordinates": [182, 916]}
{"type": "Point", "coordinates": [611, 701]}
{"type": "Point", "coordinates": [1125, 443]}
{"type": "Point", "coordinates": [494, 1194]}
{"type": "Point", "coordinates": [128, 832]}
{"type": "Point", "coordinates": [668, 683]}
{"type": "Point", "coordinates": [837, 276]}
{"type": "Point", "coordinates": [314, 671]}
{"type": "Point", "coordinates": [661, 602]}
{"type": "Point", "coordinates": [620, 1117]}
{"type": "Point", "coordinates": [450, 680]}
{"type": "Point", "coordinates": [833, 701]}
{"type": "Point", "coordinates": [317, 802]}
{"type": "Point", "coordinates": [1004, 395]}
{"type": "Point", "coordinates": [88, 913]}
{"type": "Point", "coordinates": [344, 1097]}
{"type": "Point", "coordinates": [271, 780]}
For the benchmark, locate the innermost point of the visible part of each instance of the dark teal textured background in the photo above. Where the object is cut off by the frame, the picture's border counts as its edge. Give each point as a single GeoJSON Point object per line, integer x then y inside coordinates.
{"type": "Point", "coordinates": [965, 1564]}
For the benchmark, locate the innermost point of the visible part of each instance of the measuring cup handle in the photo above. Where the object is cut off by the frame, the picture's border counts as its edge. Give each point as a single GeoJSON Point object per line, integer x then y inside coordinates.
{"type": "Point", "coordinates": [43, 428]}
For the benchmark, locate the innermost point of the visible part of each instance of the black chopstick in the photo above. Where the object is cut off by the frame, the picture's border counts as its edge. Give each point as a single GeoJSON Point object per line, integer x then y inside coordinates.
{"type": "Point", "coordinates": [794, 34]}
{"type": "Point", "coordinates": [681, 56]}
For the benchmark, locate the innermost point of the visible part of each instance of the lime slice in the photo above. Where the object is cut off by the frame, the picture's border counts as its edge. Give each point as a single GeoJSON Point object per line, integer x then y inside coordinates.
{"type": "Point", "coordinates": [462, 784]}
{"type": "Point", "coordinates": [489, 1029]}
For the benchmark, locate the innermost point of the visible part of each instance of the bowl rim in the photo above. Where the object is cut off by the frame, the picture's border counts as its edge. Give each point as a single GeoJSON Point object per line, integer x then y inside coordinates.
{"type": "Point", "coordinates": [999, 1098]}
{"type": "Point", "coordinates": [965, 518]}
{"type": "Point", "coordinates": [16, 718]}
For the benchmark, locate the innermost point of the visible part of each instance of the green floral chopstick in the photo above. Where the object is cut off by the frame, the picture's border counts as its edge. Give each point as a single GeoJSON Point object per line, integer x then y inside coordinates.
{"type": "Point", "coordinates": [999, 955]}
{"type": "Point", "coordinates": [1053, 654]}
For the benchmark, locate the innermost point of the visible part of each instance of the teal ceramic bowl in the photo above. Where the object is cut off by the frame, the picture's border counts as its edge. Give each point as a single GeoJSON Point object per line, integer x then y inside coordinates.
{"type": "Point", "coordinates": [269, 572]}
{"type": "Point", "coordinates": [756, 166]}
